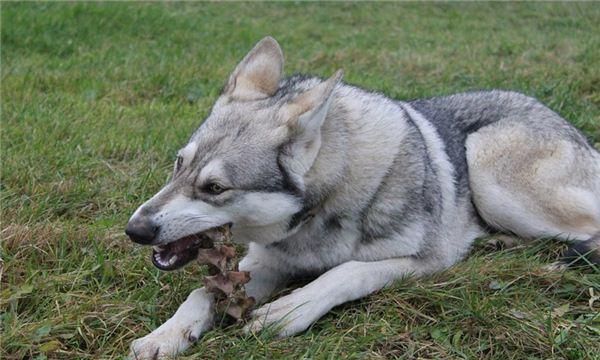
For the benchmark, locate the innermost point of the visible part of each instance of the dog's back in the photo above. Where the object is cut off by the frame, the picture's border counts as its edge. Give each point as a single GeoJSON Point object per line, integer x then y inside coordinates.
{"type": "Point", "coordinates": [530, 171]}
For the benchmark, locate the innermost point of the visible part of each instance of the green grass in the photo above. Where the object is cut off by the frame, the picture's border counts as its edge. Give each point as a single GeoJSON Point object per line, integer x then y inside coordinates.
{"type": "Point", "coordinates": [96, 99]}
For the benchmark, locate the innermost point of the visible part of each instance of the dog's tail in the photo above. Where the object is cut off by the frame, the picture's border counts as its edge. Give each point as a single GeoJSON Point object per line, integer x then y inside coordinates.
{"type": "Point", "coordinates": [583, 253]}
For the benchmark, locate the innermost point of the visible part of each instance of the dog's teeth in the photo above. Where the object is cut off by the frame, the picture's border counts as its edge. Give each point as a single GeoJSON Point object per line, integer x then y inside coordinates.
{"type": "Point", "coordinates": [172, 260]}
{"type": "Point", "coordinates": [158, 248]}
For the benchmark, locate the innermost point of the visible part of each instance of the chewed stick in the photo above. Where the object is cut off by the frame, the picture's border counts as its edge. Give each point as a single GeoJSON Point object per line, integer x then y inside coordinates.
{"type": "Point", "coordinates": [225, 281]}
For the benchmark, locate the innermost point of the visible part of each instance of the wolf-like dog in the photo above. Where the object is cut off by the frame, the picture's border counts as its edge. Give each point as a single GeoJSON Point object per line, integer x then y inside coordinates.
{"type": "Point", "coordinates": [321, 178]}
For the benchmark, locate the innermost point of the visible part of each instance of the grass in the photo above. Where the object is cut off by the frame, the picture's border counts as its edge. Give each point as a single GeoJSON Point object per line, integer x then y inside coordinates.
{"type": "Point", "coordinates": [97, 97]}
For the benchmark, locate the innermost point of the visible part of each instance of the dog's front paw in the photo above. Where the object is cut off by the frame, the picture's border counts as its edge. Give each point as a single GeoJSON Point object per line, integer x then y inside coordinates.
{"type": "Point", "coordinates": [288, 315]}
{"type": "Point", "coordinates": [164, 344]}
{"type": "Point", "coordinates": [173, 337]}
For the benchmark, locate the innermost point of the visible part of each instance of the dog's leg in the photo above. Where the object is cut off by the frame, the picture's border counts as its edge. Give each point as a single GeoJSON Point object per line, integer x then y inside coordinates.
{"type": "Point", "coordinates": [265, 274]}
{"type": "Point", "coordinates": [295, 312]}
{"type": "Point", "coordinates": [193, 317]}
{"type": "Point", "coordinates": [196, 314]}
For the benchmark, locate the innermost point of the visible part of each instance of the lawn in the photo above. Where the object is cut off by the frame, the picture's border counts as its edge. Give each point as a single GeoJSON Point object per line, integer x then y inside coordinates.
{"type": "Point", "coordinates": [97, 98]}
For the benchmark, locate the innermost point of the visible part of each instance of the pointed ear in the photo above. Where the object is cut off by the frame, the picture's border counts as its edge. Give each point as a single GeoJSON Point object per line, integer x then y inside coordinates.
{"type": "Point", "coordinates": [305, 115]}
{"type": "Point", "coordinates": [257, 75]}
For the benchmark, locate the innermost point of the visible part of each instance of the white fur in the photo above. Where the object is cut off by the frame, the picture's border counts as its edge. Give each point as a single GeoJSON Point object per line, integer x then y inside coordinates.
{"type": "Point", "coordinates": [295, 312]}
{"type": "Point", "coordinates": [263, 206]}
{"type": "Point", "coordinates": [262, 225]}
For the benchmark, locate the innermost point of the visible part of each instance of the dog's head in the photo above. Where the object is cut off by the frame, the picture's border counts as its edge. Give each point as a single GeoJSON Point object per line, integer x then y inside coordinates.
{"type": "Point", "coordinates": [244, 166]}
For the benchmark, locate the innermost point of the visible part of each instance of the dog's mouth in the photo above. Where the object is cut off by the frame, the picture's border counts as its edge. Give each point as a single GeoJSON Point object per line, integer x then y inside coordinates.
{"type": "Point", "coordinates": [178, 253]}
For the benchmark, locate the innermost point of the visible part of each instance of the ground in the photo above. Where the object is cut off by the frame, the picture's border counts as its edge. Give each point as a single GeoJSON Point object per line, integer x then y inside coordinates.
{"type": "Point", "coordinates": [97, 98]}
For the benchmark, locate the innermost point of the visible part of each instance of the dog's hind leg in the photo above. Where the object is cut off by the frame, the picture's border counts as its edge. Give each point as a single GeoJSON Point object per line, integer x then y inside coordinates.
{"type": "Point", "coordinates": [349, 281]}
{"type": "Point", "coordinates": [535, 183]}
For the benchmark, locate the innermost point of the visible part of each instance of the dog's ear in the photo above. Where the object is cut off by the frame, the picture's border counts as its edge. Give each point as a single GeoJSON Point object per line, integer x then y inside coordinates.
{"type": "Point", "coordinates": [304, 116]}
{"type": "Point", "coordinates": [257, 75]}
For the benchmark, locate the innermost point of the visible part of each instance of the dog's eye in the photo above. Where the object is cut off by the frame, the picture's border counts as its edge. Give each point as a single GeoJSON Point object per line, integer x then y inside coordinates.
{"type": "Point", "coordinates": [214, 189]}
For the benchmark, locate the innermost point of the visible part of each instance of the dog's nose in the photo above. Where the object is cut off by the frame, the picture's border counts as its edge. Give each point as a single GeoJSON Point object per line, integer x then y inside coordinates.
{"type": "Point", "coordinates": [141, 230]}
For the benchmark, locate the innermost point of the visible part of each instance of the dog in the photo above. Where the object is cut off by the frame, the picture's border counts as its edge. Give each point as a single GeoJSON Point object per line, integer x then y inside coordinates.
{"type": "Point", "coordinates": [321, 178]}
